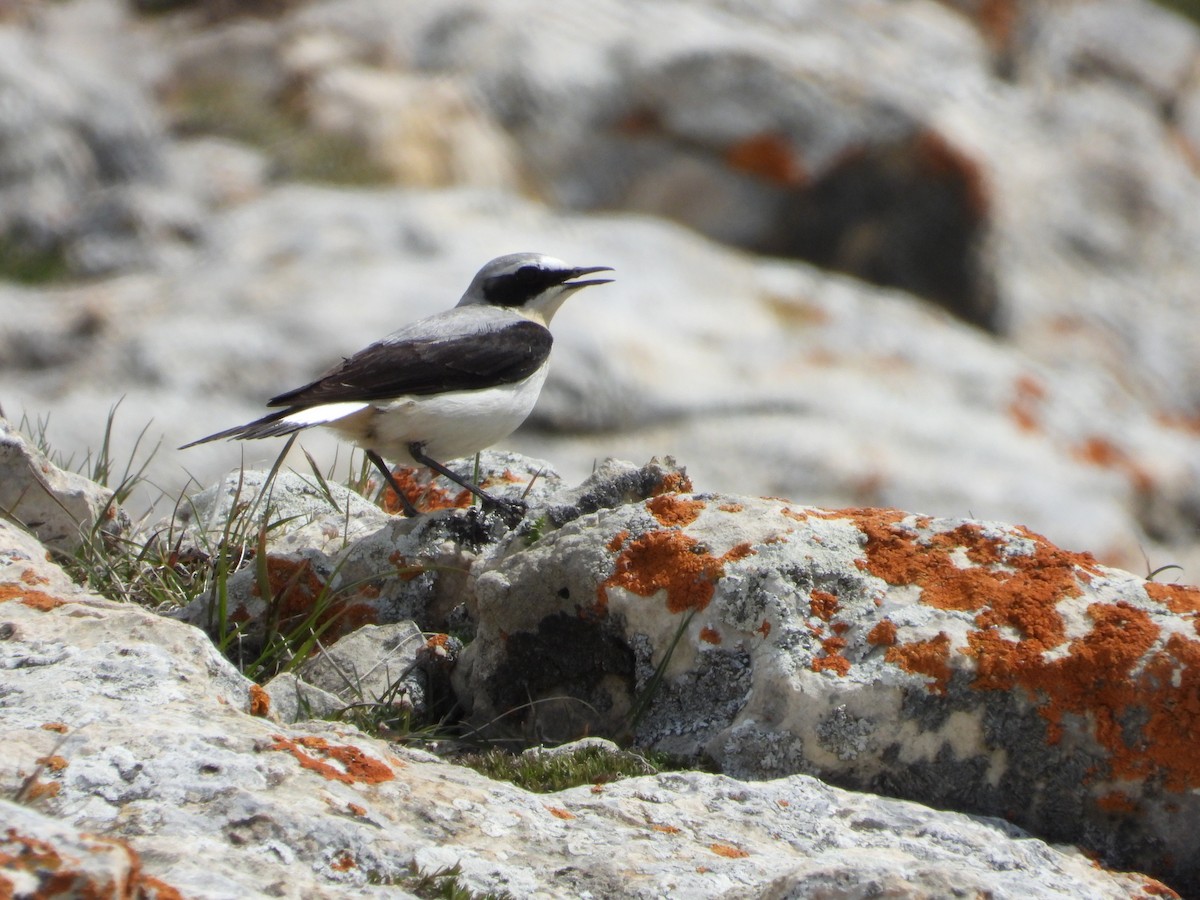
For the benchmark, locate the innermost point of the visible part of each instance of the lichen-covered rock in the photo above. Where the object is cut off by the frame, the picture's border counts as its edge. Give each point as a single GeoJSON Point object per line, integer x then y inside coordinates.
{"type": "Point", "coordinates": [45, 857]}
{"type": "Point", "coordinates": [966, 664]}
{"type": "Point", "coordinates": [128, 726]}
{"type": "Point", "coordinates": [334, 556]}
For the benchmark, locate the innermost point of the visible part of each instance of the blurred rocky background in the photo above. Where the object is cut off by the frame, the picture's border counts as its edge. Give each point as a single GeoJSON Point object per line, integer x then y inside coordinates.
{"type": "Point", "coordinates": [943, 256]}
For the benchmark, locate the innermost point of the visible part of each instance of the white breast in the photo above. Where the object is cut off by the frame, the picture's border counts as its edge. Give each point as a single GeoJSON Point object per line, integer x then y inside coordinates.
{"type": "Point", "coordinates": [449, 426]}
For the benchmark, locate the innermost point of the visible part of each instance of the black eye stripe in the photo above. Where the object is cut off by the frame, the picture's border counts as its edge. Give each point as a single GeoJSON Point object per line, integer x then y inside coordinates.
{"type": "Point", "coordinates": [519, 287]}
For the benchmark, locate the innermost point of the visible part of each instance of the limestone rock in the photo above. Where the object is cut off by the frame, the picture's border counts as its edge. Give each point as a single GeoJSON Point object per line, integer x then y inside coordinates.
{"type": "Point", "coordinates": [146, 743]}
{"type": "Point", "coordinates": [44, 857]}
{"type": "Point", "coordinates": [77, 131]}
{"type": "Point", "coordinates": [292, 700]}
{"type": "Point", "coordinates": [969, 664]}
{"type": "Point", "coordinates": [375, 664]}
{"type": "Point", "coordinates": [422, 131]}
{"type": "Point", "coordinates": [333, 554]}
{"type": "Point", "coordinates": [62, 508]}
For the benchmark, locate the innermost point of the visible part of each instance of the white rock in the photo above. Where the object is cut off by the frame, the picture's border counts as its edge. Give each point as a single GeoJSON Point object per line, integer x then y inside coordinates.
{"type": "Point", "coordinates": [63, 509]}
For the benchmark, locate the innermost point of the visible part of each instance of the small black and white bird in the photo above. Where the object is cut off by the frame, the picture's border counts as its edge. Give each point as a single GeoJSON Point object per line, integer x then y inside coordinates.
{"type": "Point", "coordinates": [446, 386]}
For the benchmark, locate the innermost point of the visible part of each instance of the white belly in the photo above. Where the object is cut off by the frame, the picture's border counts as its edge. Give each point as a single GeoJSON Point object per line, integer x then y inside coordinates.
{"type": "Point", "coordinates": [449, 426]}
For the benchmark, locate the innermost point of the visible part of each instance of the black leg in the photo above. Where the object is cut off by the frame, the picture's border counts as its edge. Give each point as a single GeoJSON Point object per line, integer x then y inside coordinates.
{"type": "Point", "coordinates": [417, 452]}
{"type": "Point", "coordinates": [512, 511]}
{"type": "Point", "coordinates": [409, 509]}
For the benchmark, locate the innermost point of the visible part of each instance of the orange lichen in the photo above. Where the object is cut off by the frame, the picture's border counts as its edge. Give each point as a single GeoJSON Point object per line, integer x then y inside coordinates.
{"type": "Point", "coordinates": [792, 514]}
{"type": "Point", "coordinates": [319, 755]}
{"type": "Point", "coordinates": [639, 121]}
{"type": "Point", "coordinates": [28, 576]}
{"type": "Point", "coordinates": [998, 21]}
{"type": "Point", "coordinates": [1013, 586]}
{"type": "Point", "coordinates": [710, 635]}
{"type": "Point", "coordinates": [425, 497]}
{"type": "Point", "coordinates": [832, 661]}
{"type": "Point", "coordinates": [731, 507]}
{"type": "Point", "coordinates": [35, 789]}
{"type": "Point", "coordinates": [823, 604]}
{"type": "Point", "coordinates": [940, 161]}
{"type": "Point", "coordinates": [671, 509]}
{"type": "Point", "coordinates": [559, 812]}
{"type": "Point", "coordinates": [59, 727]}
{"type": "Point", "coordinates": [1116, 801]}
{"type": "Point", "coordinates": [47, 872]}
{"type": "Point", "coordinates": [728, 852]}
{"type": "Point", "coordinates": [296, 591]}
{"type": "Point", "coordinates": [439, 644]}
{"type": "Point", "coordinates": [666, 829]}
{"type": "Point", "coordinates": [674, 483]}
{"type": "Point", "coordinates": [1179, 598]}
{"type": "Point", "coordinates": [929, 658]}
{"type": "Point", "coordinates": [1025, 407]}
{"type": "Point", "coordinates": [1100, 451]}
{"type": "Point", "coordinates": [764, 629]}
{"type": "Point", "coordinates": [1155, 888]}
{"type": "Point", "coordinates": [32, 598]}
{"type": "Point", "coordinates": [769, 156]}
{"type": "Point", "coordinates": [883, 634]}
{"type": "Point", "coordinates": [294, 584]}
{"type": "Point", "coordinates": [1021, 595]}
{"type": "Point", "coordinates": [260, 701]}
{"type": "Point", "coordinates": [54, 763]}
{"type": "Point", "coordinates": [405, 569]}
{"type": "Point", "coordinates": [739, 551]}
{"type": "Point", "coordinates": [617, 542]}
{"type": "Point", "coordinates": [343, 863]}
{"type": "Point", "coordinates": [355, 810]}
{"type": "Point", "coordinates": [670, 561]}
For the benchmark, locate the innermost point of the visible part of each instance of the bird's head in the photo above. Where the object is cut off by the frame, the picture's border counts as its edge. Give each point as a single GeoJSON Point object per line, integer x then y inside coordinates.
{"type": "Point", "coordinates": [532, 284]}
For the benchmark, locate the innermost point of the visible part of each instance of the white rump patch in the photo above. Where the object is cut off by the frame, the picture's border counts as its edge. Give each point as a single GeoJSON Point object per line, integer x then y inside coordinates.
{"type": "Point", "coordinates": [321, 415]}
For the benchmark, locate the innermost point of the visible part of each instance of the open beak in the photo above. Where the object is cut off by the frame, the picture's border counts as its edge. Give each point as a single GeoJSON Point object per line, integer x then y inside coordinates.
{"type": "Point", "coordinates": [577, 273]}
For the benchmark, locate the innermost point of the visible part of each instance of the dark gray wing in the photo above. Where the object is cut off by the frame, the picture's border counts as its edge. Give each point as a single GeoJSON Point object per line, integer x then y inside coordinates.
{"type": "Point", "coordinates": [419, 366]}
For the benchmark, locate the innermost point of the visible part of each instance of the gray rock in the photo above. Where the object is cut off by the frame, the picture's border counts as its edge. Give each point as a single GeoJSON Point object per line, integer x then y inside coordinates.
{"type": "Point", "coordinates": [334, 561]}
{"type": "Point", "coordinates": [25, 560]}
{"type": "Point", "coordinates": [63, 509]}
{"type": "Point", "coordinates": [289, 503]}
{"type": "Point", "coordinates": [44, 856]}
{"type": "Point", "coordinates": [969, 664]}
{"type": "Point", "coordinates": [1049, 151]}
{"type": "Point", "coordinates": [375, 664]}
{"type": "Point", "coordinates": [294, 700]}
{"type": "Point", "coordinates": [77, 127]}
{"type": "Point", "coordinates": [149, 745]}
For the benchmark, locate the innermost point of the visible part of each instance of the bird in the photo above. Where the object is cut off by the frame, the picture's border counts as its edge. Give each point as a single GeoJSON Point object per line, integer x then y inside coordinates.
{"type": "Point", "coordinates": [442, 387]}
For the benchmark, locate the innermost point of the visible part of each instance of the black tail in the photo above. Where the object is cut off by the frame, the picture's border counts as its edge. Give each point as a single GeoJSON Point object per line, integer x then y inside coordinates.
{"type": "Point", "coordinates": [267, 426]}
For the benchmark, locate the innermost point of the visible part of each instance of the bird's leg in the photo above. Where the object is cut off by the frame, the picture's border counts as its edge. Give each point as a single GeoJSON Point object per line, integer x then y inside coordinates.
{"type": "Point", "coordinates": [513, 509]}
{"type": "Point", "coordinates": [409, 509]}
{"type": "Point", "coordinates": [417, 452]}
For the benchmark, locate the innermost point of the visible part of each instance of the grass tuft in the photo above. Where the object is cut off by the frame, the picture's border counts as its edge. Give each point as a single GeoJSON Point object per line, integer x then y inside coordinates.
{"type": "Point", "coordinates": [546, 772]}
{"type": "Point", "coordinates": [443, 884]}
